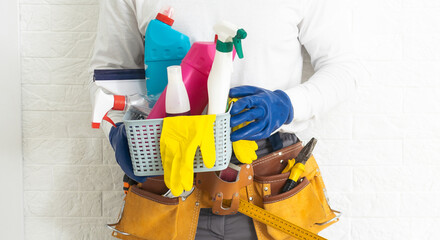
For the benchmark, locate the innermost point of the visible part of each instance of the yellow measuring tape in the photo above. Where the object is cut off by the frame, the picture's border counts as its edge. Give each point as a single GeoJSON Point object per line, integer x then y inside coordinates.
{"type": "Point", "coordinates": [274, 221]}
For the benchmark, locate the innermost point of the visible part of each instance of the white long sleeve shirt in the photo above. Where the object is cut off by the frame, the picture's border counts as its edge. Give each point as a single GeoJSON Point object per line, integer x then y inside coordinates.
{"type": "Point", "coordinates": [276, 31]}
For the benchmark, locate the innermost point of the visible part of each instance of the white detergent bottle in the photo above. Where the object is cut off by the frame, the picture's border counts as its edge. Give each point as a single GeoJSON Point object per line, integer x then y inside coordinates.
{"type": "Point", "coordinates": [176, 101]}
{"type": "Point", "coordinates": [219, 79]}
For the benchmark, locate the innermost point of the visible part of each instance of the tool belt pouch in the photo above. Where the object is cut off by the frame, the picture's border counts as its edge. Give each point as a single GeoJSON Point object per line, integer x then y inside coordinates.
{"type": "Point", "coordinates": [306, 205]}
{"type": "Point", "coordinates": [224, 197]}
{"type": "Point", "coordinates": [148, 215]}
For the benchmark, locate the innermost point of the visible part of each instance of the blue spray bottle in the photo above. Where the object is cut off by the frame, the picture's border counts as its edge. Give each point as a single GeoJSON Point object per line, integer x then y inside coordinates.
{"type": "Point", "coordinates": [164, 47]}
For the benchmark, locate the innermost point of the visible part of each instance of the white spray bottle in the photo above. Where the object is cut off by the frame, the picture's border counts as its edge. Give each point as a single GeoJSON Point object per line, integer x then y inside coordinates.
{"type": "Point", "coordinates": [105, 102]}
{"type": "Point", "coordinates": [220, 76]}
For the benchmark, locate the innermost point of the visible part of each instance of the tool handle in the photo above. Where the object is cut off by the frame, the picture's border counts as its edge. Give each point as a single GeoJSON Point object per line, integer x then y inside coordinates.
{"type": "Point", "coordinates": [290, 184]}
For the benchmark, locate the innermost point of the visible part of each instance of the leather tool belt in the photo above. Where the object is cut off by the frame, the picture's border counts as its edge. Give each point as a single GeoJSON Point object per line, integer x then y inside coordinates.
{"type": "Point", "coordinates": [148, 215]}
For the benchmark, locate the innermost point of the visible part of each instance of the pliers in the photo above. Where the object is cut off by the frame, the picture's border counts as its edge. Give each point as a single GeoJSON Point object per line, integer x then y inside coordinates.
{"type": "Point", "coordinates": [297, 166]}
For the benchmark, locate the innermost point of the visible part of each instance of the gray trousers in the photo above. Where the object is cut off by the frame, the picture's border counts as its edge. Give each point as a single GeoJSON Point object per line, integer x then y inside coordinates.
{"type": "Point", "coordinates": [230, 227]}
{"type": "Point", "coordinates": [238, 226]}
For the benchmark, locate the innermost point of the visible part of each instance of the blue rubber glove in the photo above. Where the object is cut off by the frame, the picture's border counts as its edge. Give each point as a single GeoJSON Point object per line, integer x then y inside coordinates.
{"type": "Point", "coordinates": [118, 140]}
{"type": "Point", "coordinates": [266, 110]}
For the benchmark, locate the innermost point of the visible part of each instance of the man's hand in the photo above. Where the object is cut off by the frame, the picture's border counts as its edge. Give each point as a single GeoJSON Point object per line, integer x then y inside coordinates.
{"type": "Point", "coordinates": [118, 140]}
{"type": "Point", "coordinates": [265, 110]}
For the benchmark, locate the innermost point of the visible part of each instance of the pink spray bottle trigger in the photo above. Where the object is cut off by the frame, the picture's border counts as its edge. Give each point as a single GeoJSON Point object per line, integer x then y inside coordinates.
{"type": "Point", "coordinates": [166, 16]}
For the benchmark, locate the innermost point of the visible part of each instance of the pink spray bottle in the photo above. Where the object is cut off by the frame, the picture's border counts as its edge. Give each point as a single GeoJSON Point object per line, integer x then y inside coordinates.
{"type": "Point", "coordinates": [195, 71]}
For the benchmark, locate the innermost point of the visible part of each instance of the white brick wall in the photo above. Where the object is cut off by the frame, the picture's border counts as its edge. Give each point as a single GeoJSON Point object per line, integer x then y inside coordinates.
{"type": "Point", "coordinates": [377, 152]}
{"type": "Point", "coordinates": [62, 155]}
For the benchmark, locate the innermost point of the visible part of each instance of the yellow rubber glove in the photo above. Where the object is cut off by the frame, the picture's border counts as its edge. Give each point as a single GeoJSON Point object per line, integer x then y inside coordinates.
{"type": "Point", "coordinates": [179, 140]}
{"type": "Point", "coordinates": [244, 150]}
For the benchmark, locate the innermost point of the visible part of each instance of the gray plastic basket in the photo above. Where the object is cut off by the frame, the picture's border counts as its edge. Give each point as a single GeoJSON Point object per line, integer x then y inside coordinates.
{"type": "Point", "coordinates": [143, 140]}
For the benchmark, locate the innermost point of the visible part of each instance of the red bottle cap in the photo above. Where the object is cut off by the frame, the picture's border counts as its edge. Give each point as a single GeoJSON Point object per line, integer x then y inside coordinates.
{"type": "Point", "coordinates": [119, 103]}
{"type": "Point", "coordinates": [165, 19]}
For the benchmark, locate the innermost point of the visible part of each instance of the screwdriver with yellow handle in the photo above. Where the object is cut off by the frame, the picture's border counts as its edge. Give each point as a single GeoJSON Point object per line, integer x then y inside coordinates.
{"type": "Point", "coordinates": [298, 165]}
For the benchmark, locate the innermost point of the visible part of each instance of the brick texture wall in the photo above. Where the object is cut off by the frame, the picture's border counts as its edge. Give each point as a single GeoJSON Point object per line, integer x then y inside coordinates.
{"type": "Point", "coordinates": [72, 182]}
{"type": "Point", "coordinates": [377, 152]}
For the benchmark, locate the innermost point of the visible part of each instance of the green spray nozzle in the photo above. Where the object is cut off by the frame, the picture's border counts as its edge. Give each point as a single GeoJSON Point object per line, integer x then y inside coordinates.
{"type": "Point", "coordinates": [241, 34]}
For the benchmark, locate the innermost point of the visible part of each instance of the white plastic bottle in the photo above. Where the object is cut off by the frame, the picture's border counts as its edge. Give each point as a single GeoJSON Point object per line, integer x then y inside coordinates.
{"type": "Point", "coordinates": [176, 101]}
{"type": "Point", "coordinates": [105, 102]}
{"type": "Point", "coordinates": [220, 76]}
